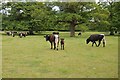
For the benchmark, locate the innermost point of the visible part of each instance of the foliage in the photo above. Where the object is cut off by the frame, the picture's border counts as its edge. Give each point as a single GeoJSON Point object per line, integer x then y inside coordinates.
{"type": "Point", "coordinates": [40, 16]}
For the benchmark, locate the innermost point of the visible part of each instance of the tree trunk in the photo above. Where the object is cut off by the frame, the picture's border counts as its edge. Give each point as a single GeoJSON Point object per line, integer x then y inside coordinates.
{"type": "Point", "coordinates": [31, 32]}
{"type": "Point", "coordinates": [72, 30]}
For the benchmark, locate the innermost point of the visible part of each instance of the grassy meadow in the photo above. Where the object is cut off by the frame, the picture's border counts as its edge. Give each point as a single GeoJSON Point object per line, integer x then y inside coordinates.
{"type": "Point", "coordinates": [31, 57]}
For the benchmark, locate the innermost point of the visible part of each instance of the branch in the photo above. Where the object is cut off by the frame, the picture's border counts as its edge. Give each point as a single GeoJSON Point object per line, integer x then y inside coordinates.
{"type": "Point", "coordinates": [64, 21]}
{"type": "Point", "coordinates": [79, 22]}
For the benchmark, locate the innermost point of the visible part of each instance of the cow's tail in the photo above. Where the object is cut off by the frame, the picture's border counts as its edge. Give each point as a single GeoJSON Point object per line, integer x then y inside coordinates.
{"type": "Point", "coordinates": [104, 41]}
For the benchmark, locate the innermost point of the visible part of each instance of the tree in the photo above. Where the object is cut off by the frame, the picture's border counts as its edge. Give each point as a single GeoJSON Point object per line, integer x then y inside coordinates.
{"type": "Point", "coordinates": [32, 16]}
{"type": "Point", "coordinates": [72, 13]}
{"type": "Point", "coordinates": [114, 17]}
{"type": "Point", "coordinates": [40, 16]}
{"type": "Point", "coordinates": [99, 17]}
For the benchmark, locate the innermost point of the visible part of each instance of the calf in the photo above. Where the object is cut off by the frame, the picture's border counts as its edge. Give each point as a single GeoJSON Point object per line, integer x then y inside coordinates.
{"type": "Point", "coordinates": [96, 37]}
{"type": "Point", "coordinates": [62, 44]}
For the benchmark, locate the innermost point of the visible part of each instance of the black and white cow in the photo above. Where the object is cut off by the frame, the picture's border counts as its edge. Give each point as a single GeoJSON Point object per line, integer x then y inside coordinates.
{"type": "Point", "coordinates": [13, 33]}
{"type": "Point", "coordinates": [8, 33]}
{"type": "Point", "coordinates": [21, 34]}
{"type": "Point", "coordinates": [53, 39]}
{"type": "Point", "coordinates": [96, 37]}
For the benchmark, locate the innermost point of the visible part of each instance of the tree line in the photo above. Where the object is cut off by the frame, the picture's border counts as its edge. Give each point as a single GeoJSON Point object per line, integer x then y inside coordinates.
{"type": "Point", "coordinates": [71, 16]}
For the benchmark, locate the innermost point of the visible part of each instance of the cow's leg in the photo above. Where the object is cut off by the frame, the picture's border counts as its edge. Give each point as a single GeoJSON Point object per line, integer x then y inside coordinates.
{"type": "Point", "coordinates": [21, 35]}
{"type": "Point", "coordinates": [57, 45]}
{"type": "Point", "coordinates": [96, 44]}
{"type": "Point", "coordinates": [93, 43]}
{"type": "Point", "coordinates": [63, 46]}
{"type": "Point", "coordinates": [24, 35]}
{"type": "Point", "coordinates": [13, 35]}
{"type": "Point", "coordinates": [103, 43]}
{"type": "Point", "coordinates": [99, 43]}
{"type": "Point", "coordinates": [54, 45]}
{"type": "Point", "coordinates": [51, 45]}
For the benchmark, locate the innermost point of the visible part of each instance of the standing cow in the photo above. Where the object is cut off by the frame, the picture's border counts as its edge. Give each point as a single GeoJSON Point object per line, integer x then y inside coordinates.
{"type": "Point", "coordinates": [96, 37]}
{"type": "Point", "coordinates": [53, 39]}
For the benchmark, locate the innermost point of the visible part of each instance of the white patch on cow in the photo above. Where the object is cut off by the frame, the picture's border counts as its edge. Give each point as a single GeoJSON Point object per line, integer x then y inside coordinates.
{"type": "Point", "coordinates": [10, 33]}
{"type": "Point", "coordinates": [21, 34]}
{"type": "Point", "coordinates": [56, 38]}
{"type": "Point", "coordinates": [103, 38]}
{"type": "Point", "coordinates": [102, 34]}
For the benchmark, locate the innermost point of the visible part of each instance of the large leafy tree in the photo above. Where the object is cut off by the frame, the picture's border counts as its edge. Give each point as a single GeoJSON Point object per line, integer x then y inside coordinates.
{"type": "Point", "coordinates": [30, 15]}
{"type": "Point", "coordinates": [72, 13]}
{"type": "Point", "coordinates": [114, 16]}
{"type": "Point", "coordinates": [37, 16]}
{"type": "Point", "coordinates": [83, 14]}
{"type": "Point", "coordinates": [99, 17]}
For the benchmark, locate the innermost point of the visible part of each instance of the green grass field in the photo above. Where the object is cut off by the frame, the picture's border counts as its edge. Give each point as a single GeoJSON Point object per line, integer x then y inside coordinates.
{"type": "Point", "coordinates": [31, 57]}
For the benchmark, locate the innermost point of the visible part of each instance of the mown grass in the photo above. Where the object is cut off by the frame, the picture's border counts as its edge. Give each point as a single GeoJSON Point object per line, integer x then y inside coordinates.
{"type": "Point", "coordinates": [31, 57]}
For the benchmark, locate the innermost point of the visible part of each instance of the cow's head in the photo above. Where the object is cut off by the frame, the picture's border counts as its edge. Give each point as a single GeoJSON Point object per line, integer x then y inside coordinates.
{"type": "Point", "coordinates": [46, 37]}
{"type": "Point", "coordinates": [87, 41]}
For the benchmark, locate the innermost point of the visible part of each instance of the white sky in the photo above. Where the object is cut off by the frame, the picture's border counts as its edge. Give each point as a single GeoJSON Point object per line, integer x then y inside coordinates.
{"type": "Point", "coordinates": [56, 8]}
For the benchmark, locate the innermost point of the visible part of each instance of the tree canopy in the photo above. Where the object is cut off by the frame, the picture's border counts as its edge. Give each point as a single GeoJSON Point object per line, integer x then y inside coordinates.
{"type": "Point", "coordinates": [41, 16]}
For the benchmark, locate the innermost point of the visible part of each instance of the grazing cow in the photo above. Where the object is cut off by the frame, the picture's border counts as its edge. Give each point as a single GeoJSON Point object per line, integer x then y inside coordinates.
{"type": "Point", "coordinates": [96, 37]}
{"type": "Point", "coordinates": [62, 44]}
{"type": "Point", "coordinates": [21, 34]}
{"type": "Point", "coordinates": [13, 33]}
{"type": "Point", "coordinates": [8, 33]}
{"type": "Point", "coordinates": [53, 39]}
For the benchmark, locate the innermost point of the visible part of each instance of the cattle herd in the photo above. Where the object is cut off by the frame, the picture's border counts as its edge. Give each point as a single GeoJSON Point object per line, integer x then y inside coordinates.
{"type": "Point", "coordinates": [54, 38]}
{"type": "Point", "coordinates": [14, 33]}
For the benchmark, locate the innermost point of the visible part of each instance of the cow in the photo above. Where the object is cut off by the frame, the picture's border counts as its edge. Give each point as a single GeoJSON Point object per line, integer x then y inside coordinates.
{"type": "Point", "coordinates": [8, 33]}
{"type": "Point", "coordinates": [21, 34]}
{"type": "Point", "coordinates": [96, 37]}
{"type": "Point", "coordinates": [53, 39]}
{"type": "Point", "coordinates": [13, 33]}
{"type": "Point", "coordinates": [62, 43]}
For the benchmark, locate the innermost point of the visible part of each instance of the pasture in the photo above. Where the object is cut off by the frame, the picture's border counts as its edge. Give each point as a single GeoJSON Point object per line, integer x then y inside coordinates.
{"type": "Point", "coordinates": [31, 57]}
